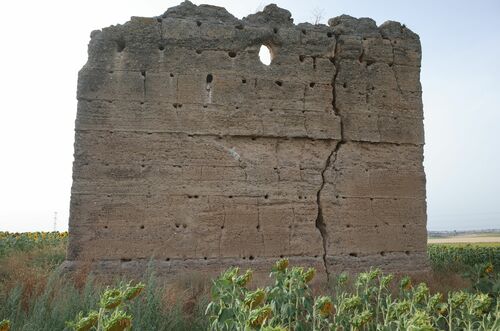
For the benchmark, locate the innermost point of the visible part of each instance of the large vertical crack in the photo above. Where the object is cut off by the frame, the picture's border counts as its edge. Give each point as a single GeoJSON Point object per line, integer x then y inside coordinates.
{"type": "Point", "coordinates": [320, 222]}
{"type": "Point", "coordinates": [330, 161]}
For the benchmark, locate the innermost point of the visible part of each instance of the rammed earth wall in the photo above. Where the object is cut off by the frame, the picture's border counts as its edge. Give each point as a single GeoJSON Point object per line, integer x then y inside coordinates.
{"type": "Point", "coordinates": [192, 154]}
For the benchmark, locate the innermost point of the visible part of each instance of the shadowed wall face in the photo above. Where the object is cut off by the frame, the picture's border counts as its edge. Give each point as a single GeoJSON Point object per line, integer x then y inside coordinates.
{"type": "Point", "coordinates": [190, 151]}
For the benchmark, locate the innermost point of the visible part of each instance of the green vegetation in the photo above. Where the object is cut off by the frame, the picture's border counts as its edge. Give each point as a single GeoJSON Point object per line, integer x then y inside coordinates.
{"type": "Point", "coordinates": [33, 296]}
{"type": "Point", "coordinates": [60, 301]}
{"type": "Point", "coordinates": [112, 314]}
{"type": "Point", "coordinates": [15, 242]}
{"type": "Point", "coordinates": [5, 325]}
{"type": "Point", "coordinates": [368, 304]}
{"type": "Point", "coordinates": [461, 257]}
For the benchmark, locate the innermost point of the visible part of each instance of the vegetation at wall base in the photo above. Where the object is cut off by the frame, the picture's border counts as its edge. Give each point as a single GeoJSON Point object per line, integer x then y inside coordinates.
{"type": "Point", "coordinates": [33, 296]}
{"type": "Point", "coordinates": [369, 304]}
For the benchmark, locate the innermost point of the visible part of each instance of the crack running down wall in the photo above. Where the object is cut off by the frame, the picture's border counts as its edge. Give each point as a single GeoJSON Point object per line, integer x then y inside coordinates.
{"type": "Point", "coordinates": [192, 153]}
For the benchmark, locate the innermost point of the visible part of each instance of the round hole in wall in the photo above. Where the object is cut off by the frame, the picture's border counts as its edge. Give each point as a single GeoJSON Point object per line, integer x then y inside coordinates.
{"type": "Point", "coordinates": [265, 55]}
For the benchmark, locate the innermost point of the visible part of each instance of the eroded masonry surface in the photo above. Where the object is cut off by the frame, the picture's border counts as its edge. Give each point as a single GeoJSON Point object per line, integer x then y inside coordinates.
{"type": "Point", "coordinates": [192, 154]}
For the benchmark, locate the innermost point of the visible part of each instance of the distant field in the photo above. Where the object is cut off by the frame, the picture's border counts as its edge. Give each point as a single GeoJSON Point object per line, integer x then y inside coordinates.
{"type": "Point", "coordinates": [490, 238]}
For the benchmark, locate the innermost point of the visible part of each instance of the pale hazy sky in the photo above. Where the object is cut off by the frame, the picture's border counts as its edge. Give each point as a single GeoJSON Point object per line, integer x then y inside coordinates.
{"type": "Point", "coordinates": [44, 44]}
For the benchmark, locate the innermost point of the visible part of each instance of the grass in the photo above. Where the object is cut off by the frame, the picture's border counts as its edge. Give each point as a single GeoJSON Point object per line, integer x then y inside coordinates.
{"type": "Point", "coordinates": [60, 300]}
{"type": "Point", "coordinates": [35, 297]}
{"type": "Point", "coordinates": [47, 302]}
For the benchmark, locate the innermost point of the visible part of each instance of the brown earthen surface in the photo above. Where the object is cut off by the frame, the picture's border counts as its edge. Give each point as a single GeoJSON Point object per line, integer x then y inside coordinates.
{"type": "Point", "coordinates": [191, 154]}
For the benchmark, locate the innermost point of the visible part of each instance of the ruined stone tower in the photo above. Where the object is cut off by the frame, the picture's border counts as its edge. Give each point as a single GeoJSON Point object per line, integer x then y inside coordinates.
{"type": "Point", "coordinates": [192, 154]}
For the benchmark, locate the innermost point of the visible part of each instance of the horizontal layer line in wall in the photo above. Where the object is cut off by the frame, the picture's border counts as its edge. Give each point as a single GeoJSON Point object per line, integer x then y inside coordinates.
{"type": "Point", "coordinates": [214, 135]}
